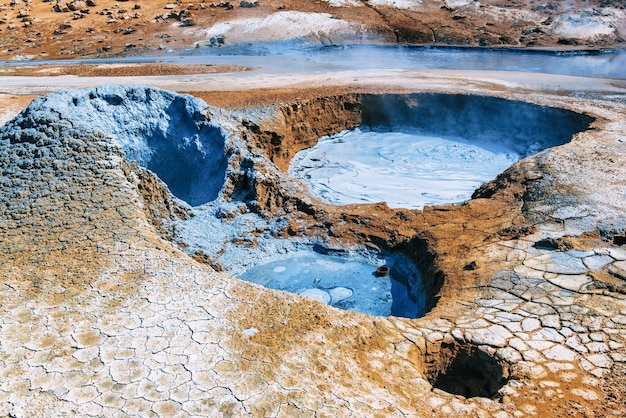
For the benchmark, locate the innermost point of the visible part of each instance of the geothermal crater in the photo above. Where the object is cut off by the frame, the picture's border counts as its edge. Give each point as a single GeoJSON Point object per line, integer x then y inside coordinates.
{"type": "Point", "coordinates": [275, 244]}
{"type": "Point", "coordinates": [518, 291]}
{"type": "Point", "coordinates": [429, 149]}
{"type": "Point", "coordinates": [166, 133]}
{"type": "Point", "coordinates": [248, 216]}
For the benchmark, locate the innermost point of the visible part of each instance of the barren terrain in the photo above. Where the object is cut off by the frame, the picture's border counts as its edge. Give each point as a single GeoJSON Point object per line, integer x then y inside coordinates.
{"type": "Point", "coordinates": [38, 29]}
{"type": "Point", "coordinates": [109, 307]}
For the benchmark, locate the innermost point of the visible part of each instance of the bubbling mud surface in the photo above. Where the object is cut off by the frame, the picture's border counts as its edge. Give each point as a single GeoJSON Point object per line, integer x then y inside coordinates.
{"type": "Point", "coordinates": [405, 170]}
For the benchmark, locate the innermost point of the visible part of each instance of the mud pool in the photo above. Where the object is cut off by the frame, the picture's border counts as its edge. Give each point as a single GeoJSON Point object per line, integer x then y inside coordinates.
{"type": "Point", "coordinates": [406, 170]}
{"type": "Point", "coordinates": [428, 149]}
{"type": "Point", "coordinates": [345, 282]}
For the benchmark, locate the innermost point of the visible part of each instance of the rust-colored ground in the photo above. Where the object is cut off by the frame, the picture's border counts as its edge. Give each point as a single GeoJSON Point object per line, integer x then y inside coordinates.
{"type": "Point", "coordinates": [33, 30]}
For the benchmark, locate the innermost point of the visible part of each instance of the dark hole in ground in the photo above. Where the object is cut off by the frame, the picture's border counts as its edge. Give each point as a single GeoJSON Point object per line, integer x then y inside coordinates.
{"type": "Point", "coordinates": [619, 239]}
{"type": "Point", "coordinates": [470, 372]}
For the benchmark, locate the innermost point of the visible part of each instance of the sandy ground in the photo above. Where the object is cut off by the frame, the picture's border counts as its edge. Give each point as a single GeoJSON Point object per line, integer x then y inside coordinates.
{"type": "Point", "coordinates": [117, 70]}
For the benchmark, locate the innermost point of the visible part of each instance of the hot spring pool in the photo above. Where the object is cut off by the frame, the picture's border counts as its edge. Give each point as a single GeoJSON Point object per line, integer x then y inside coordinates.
{"type": "Point", "coordinates": [346, 282]}
{"type": "Point", "coordinates": [406, 170]}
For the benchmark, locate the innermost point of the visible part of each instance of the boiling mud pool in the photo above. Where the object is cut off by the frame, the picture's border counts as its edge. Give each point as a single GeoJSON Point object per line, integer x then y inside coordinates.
{"type": "Point", "coordinates": [407, 170]}
{"type": "Point", "coordinates": [346, 282]}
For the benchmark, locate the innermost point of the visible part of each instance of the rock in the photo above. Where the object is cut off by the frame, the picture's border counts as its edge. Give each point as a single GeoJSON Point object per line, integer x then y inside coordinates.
{"type": "Point", "coordinates": [558, 244]}
{"type": "Point", "coordinates": [248, 4]}
{"type": "Point", "coordinates": [60, 7]}
{"type": "Point", "coordinates": [217, 40]}
{"type": "Point", "coordinates": [77, 5]}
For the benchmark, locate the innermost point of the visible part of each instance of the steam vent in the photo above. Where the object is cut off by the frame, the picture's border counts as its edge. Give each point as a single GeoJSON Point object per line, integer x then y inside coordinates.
{"type": "Point", "coordinates": [165, 257]}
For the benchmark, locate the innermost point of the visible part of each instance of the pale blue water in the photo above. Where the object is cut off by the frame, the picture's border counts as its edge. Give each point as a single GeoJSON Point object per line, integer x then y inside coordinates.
{"type": "Point", "coordinates": [381, 296]}
{"type": "Point", "coordinates": [285, 58]}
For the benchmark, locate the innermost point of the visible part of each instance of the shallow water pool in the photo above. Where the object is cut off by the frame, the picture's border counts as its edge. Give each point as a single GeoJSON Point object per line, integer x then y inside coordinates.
{"type": "Point", "coordinates": [346, 282]}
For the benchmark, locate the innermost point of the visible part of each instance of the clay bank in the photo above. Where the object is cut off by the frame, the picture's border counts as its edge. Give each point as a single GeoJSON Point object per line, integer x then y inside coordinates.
{"type": "Point", "coordinates": [126, 212]}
